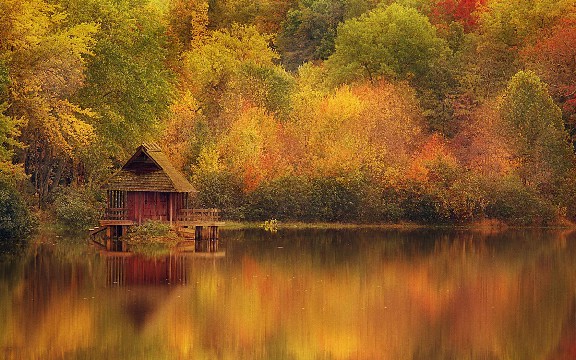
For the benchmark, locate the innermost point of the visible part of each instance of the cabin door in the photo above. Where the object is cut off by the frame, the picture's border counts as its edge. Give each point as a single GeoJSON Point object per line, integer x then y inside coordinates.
{"type": "Point", "coordinates": [132, 205]}
{"type": "Point", "coordinates": [163, 206]}
{"type": "Point", "coordinates": [155, 206]}
{"type": "Point", "coordinates": [149, 205]}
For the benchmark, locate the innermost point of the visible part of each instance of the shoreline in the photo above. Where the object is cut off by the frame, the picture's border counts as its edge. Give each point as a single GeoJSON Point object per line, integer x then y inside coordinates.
{"type": "Point", "coordinates": [487, 225]}
{"type": "Point", "coordinates": [490, 225]}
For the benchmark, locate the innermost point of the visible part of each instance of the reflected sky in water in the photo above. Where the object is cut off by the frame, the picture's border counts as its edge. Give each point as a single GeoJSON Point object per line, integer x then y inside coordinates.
{"type": "Point", "coordinates": [348, 294]}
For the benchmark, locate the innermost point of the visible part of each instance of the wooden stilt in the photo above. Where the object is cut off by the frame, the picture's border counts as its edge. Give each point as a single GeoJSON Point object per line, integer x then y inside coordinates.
{"type": "Point", "coordinates": [140, 205]}
{"type": "Point", "coordinates": [170, 205]}
{"type": "Point", "coordinates": [108, 238]}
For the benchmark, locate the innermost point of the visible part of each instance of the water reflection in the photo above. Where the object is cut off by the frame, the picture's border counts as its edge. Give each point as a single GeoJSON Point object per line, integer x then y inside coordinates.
{"type": "Point", "coordinates": [300, 295]}
{"type": "Point", "coordinates": [129, 269]}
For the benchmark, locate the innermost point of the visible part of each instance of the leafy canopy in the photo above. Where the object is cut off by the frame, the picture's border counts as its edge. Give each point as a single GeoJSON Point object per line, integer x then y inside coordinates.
{"type": "Point", "coordinates": [536, 129]}
{"type": "Point", "coordinates": [393, 41]}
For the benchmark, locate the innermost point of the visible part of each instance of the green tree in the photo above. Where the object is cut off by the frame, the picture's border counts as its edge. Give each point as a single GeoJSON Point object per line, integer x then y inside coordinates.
{"type": "Point", "coordinates": [127, 82]}
{"type": "Point", "coordinates": [16, 222]}
{"type": "Point", "coordinates": [506, 26]}
{"type": "Point", "coordinates": [393, 41]}
{"type": "Point", "coordinates": [233, 67]}
{"type": "Point", "coordinates": [308, 31]}
{"type": "Point", "coordinates": [9, 132]}
{"type": "Point", "coordinates": [399, 43]}
{"type": "Point", "coordinates": [536, 130]}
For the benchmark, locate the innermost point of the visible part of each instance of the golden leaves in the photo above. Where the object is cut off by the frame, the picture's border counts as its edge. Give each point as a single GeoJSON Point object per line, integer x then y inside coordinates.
{"type": "Point", "coordinates": [47, 65]}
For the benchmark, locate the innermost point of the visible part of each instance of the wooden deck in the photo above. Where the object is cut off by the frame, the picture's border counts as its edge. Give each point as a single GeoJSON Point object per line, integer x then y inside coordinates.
{"type": "Point", "coordinates": [107, 222]}
{"type": "Point", "coordinates": [192, 224]}
{"type": "Point", "coordinates": [198, 215]}
{"type": "Point", "coordinates": [184, 218]}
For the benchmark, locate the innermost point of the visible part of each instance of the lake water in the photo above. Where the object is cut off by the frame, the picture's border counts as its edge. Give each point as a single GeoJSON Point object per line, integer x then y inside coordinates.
{"type": "Point", "coordinates": [351, 294]}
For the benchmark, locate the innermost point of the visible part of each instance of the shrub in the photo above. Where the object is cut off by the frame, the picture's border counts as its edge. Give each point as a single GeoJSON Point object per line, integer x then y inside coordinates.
{"type": "Point", "coordinates": [151, 238]}
{"type": "Point", "coordinates": [512, 202]}
{"type": "Point", "coordinates": [220, 190]}
{"type": "Point", "coordinates": [297, 198]}
{"type": "Point", "coordinates": [284, 199]}
{"type": "Point", "coordinates": [78, 208]}
{"type": "Point", "coordinates": [149, 229]}
{"type": "Point", "coordinates": [380, 203]}
{"type": "Point", "coordinates": [16, 221]}
{"type": "Point", "coordinates": [566, 195]}
{"type": "Point", "coordinates": [465, 199]}
{"type": "Point", "coordinates": [334, 199]}
{"type": "Point", "coordinates": [420, 204]}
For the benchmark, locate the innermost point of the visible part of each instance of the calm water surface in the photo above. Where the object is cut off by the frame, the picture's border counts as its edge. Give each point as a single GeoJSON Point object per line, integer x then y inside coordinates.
{"type": "Point", "coordinates": [362, 294]}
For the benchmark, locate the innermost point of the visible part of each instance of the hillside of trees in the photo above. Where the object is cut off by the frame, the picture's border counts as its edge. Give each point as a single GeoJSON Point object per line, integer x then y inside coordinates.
{"type": "Point", "coordinates": [433, 111]}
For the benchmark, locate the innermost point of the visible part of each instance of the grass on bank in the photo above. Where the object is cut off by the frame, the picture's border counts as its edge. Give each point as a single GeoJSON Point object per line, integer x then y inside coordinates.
{"type": "Point", "coordinates": [152, 238]}
{"type": "Point", "coordinates": [295, 225]}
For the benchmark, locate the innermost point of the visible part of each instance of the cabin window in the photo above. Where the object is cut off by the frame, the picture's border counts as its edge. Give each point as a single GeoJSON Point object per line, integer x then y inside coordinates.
{"type": "Point", "coordinates": [116, 199]}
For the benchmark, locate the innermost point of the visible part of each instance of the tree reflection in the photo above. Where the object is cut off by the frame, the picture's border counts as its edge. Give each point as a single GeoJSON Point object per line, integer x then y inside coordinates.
{"type": "Point", "coordinates": [304, 295]}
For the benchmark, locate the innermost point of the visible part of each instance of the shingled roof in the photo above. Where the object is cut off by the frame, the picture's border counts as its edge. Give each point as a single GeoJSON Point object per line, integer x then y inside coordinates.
{"type": "Point", "coordinates": [149, 170]}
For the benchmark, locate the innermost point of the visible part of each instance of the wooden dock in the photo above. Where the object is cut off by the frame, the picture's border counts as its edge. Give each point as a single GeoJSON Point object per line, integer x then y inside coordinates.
{"type": "Point", "coordinates": [194, 225]}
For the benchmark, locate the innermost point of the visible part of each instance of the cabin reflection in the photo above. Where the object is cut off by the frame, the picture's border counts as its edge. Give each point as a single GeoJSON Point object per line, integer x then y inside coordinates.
{"type": "Point", "coordinates": [122, 270]}
{"type": "Point", "coordinates": [128, 269]}
{"type": "Point", "coordinates": [207, 246]}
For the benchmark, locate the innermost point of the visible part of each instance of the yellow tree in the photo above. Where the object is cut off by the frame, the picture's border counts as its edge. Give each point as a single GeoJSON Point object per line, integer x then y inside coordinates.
{"type": "Point", "coordinates": [393, 122]}
{"type": "Point", "coordinates": [188, 23]}
{"type": "Point", "coordinates": [46, 60]}
{"type": "Point", "coordinates": [253, 148]}
{"type": "Point", "coordinates": [233, 66]}
{"type": "Point", "coordinates": [183, 130]}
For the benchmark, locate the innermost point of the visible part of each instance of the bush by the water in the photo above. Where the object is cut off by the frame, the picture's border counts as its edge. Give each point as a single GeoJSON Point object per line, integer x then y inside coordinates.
{"type": "Point", "coordinates": [285, 198]}
{"type": "Point", "coordinates": [78, 208]}
{"type": "Point", "coordinates": [149, 229]}
{"type": "Point", "coordinates": [298, 198]}
{"type": "Point", "coordinates": [151, 238]}
{"type": "Point", "coordinates": [222, 191]}
{"type": "Point", "coordinates": [447, 196]}
{"type": "Point", "coordinates": [512, 202]}
{"type": "Point", "coordinates": [16, 221]}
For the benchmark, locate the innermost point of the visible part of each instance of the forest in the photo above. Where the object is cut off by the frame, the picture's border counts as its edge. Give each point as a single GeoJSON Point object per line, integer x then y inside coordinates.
{"type": "Point", "coordinates": [366, 111]}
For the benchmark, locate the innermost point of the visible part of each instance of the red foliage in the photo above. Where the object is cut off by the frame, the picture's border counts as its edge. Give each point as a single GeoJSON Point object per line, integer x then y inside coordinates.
{"type": "Point", "coordinates": [252, 177]}
{"type": "Point", "coordinates": [462, 11]}
{"type": "Point", "coordinates": [554, 57]}
{"type": "Point", "coordinates": [434, 150]}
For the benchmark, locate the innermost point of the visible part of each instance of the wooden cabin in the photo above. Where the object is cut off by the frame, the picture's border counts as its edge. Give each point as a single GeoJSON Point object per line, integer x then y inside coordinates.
{"type": "Point", "coordinates": [148, 187]}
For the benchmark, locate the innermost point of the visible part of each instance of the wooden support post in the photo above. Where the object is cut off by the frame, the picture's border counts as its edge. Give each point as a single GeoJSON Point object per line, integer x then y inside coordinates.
{"type": "Point", "coordinates": [155, 207]}
{"type": "Point", "coordinates": [170, 206]}
{"type": "Point", "coordinates": [139, 203]}
{"type": "Point", "coordinates": [108, 238]}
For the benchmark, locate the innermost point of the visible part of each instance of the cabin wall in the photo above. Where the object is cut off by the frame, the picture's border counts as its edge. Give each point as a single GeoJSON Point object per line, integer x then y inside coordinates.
{"type": "Point", "coordinates": [181, 201]}
{"type": "Point", "coordinates": [148, 205]}
{"type": "Point", "coordinates": [139, 206]}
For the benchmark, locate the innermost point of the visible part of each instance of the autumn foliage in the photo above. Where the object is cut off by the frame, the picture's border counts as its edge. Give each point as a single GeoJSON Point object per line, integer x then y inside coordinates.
{"type": "Point", "coordinates": [465, 12]}
{"type": "Point", "coordinates": [427, 110]}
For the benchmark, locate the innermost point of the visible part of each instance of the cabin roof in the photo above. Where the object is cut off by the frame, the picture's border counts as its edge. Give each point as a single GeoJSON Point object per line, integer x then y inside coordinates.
{"type": "Point", "coordinates": [149, 170]}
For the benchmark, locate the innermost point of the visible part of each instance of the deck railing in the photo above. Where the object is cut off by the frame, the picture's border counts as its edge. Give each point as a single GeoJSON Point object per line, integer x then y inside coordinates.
{"type": "Point", "coordinates": [184, 215]}
{"type": "Point", "coordinates": [116, 213]}
{"type": "Point", "coordinates": [199, 215]}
